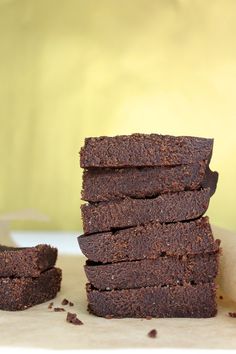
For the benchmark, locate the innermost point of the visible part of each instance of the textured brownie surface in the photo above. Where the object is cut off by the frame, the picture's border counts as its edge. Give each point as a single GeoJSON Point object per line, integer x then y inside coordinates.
{"type": "Point", "coordinates": [26, 262]}
{"type": "Point", "coordinates": [168, 301]}
{"type": "Point", "coordinates": [144, 150]}
{"type": "Point", "coordinates": [150, 241]}
{"type": "Point", "coordinates": [153, 272]}
{"type": "Point", "coordinates": [107, 184]}
{"type": "Point", "coordinates": [180, 206]}
{"type": "Point", "coordinates": [20, 293]}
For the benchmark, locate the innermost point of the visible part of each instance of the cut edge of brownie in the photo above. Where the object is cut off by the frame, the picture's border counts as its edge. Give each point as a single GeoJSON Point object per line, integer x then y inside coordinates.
{"type": "Point", "coordinates": [26, 261]}
{"type": "Point", "coordinates": [193, 301]}
{"type": "Point", "coordinates": [129, 212]}
{"type": "Point", "coordinates": [170, 270]}
{"type": "Point", "coordinates": [149, 241]}
{"type": "Point", "coordinates": [26, 292]}
{"type": "Point", "coordinates": [144, 150]}
{"type": "Point", "coordinates": [106, 184]}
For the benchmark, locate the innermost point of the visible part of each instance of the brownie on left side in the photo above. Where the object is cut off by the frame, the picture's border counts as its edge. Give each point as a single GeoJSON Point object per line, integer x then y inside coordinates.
{"type": "Point", "coordinates": [21, 293]}
{"type": "Point", "coordinates": [26, 262]}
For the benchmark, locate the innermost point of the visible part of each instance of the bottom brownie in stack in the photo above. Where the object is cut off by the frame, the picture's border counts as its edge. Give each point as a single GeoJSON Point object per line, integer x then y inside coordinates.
{"type": "Point", "coordinates": [158, 270]}
{"type": "Point", "coordinates": [28, 276]}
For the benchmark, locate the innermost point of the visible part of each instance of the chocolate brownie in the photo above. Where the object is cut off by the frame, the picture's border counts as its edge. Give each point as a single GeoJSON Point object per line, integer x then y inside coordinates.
{"type": "Point", "coordinates": [144, 150]}
{"type": "Point", "coordinates": [26, 262]}
{"type": "Point", "coordinates": [20, 293]}
{"type": "Point", "coordinates": [180, 206]}
{"type": "Point", "coordinates": [150, 241]}
{"type": "Point", "coordinates": [158, 301]}
{"type": "Point", "coordinates": [153, 272]}
{"type": "Point", "coordinates": [109, 184]}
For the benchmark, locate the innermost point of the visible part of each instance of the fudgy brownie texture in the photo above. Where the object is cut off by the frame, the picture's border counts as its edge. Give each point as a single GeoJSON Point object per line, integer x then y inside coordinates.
{"type": "Point", "coordinates": [20, 293]}
{"type": "Point", "coordinates": [153, 272]}
{"type": "Point", "coordinates": [109, 184]}
{"type": "Point", "coordinates": [144, 150]}
{"type": "Point", "coordinates": [168, 301]}
{"type": "Point", "coordinates": [150, 241]}
{"type": "Point", "coordinates": [180, 206]}
{"type": "Point", "coordinates": [26, 262]}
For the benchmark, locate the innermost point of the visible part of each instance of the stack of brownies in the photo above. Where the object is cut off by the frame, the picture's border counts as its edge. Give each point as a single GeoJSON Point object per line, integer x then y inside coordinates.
{"type": "Point", "coordinates": [27, 276]}
{"type": "Point", "coordinates": [150, 250]}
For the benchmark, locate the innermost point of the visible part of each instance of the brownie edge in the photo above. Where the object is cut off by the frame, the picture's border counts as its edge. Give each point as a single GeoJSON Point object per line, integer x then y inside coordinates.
{"type": "Point", "coordinates": [103, 184]}
{"type": "Point", "coordinates": [27, 261]}
{"type": "Point", "coordinates": [173, 207]}
{"type": "Point", "coordinates": [198, 301]}
{"type": "Point", "coordinates": [144, 150]}
{"type": "Point", "coordinates": [150, 241]}
{"type": "Point", "coordinates": [153, 272]}
{"type": "Point", "coordinates": [18, 294]}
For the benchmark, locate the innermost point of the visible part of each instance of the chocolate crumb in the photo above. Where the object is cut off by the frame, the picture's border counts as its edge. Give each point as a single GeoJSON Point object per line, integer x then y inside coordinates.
{"type": "Point", "coordinates": [65, 302]}
{"type": "Point", "coordinates": [221, 297]}
{"type": "Point", "coordinates": [148, 317]}
{"type": "Point", "coordinates": [108, 317]}
{"type": "Point", "coordinates": [58, 309]}
{"type": "Point", "coordinates": [72, 318]}
{"type": "Point", "coordinates": [232, 314]}
{"type": "Point", "coordinates": [152, 333]}
{"type": "Point", "coordinates": [71, 303]}
{"type": "Point", "coordinates": [50, 305]}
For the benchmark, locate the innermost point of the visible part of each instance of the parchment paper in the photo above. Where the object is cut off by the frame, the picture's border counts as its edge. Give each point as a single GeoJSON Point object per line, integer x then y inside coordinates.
{"type": "Point", "coordinates": [40, 327]}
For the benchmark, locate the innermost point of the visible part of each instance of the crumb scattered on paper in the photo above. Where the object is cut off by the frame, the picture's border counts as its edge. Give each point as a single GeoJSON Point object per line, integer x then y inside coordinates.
{"type": "Point", "coordinates": [72, 318]}
{"type": "Point", "coordinates": [232, 314]}
{"type": "Point", "coordinates": [58, 309]}
{"type": "Point", "coordinates": [152, 333]}
{"type": "Point", "coordinates": [65, 302]}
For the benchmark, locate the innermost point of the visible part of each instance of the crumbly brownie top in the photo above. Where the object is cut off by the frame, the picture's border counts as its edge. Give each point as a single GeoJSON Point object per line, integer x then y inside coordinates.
{"type": "Point", "coordinates": [144, 150]}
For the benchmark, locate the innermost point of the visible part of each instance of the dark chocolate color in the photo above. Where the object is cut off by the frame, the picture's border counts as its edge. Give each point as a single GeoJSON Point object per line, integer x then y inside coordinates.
{"type": "Point", "coordinates": [144, 150]}
{"type": "Point", "coordinates": [20, 293]}
{"type": "Point", "coordinates": [180, 206]}
{"type": "Point", "coordinates": [153, 272]}
{"type": "Point", "coordinates": [26, 262]}
{"type": "Point", "coordinates": [150, 241]}
{"type": "Point", "coordinates": [196, 301]}
{"type": "Point", "coordinates": [109, 184]}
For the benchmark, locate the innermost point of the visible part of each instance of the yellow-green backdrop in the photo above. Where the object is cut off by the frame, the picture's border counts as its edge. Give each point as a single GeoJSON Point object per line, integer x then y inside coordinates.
{"type": "Point", "coordinates": [71, 69]}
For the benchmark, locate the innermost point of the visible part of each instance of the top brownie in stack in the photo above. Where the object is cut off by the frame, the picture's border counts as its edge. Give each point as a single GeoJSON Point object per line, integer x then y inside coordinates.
{"type": "Point", "coordinates": [144, 150]}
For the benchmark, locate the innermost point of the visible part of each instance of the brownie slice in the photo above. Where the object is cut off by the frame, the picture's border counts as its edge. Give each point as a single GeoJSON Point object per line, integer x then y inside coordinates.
{"type": "Point", "coordinates": [26, 262]}
{"type": "Point", "coordinates": [180, 206]}
{"type": "Point", "coordinates": [196, 301]}
{"type": "Point", "coordinates": [150, 241]}
{"type": "Point", "coordinates": [153, 272]}
{"type": "Point", "coordinates": [109, 184]}
{"type": "Point", "coordinates": [144, 150]}
{"type": "Point", "coordinates": [20, 293]}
